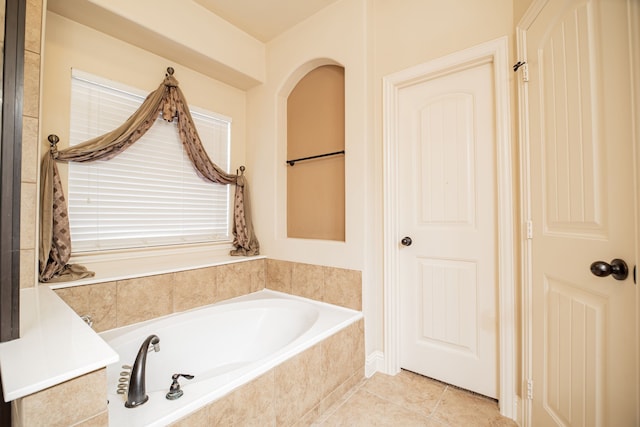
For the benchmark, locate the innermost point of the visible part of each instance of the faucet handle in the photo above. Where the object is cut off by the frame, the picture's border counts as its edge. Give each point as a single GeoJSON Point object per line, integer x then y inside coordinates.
{"type": "Point", "coordinates": [187, 376]}
{"type": "Point", "coordinates": [174, 390]}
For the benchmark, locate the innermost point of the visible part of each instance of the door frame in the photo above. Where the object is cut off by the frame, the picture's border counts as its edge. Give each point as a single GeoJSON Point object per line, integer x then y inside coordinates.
{"type": "Point", "coordinates": [496, 52]}
{"type": "Point", "coordinates": [525, 190]}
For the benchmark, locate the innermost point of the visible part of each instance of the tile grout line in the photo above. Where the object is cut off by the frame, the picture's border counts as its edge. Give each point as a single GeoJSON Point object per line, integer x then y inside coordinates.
{"type": "Point", "coordinates": [437, 405]}
{"type": "Point", "coordinates": [334, 408]}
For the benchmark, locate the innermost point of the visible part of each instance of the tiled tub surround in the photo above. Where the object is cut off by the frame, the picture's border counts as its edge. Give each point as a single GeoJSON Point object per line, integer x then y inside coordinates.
{"type": "Point", "coordinates": [294, 393]}
{"type": "Point", "coordinates": [122, 302]}
{"type": "Point", "coordinates": [54, 374]}
{"type": "Point", "coordinates": [227, 345]}
{"type": "Point", "coordinates": [77, 402]}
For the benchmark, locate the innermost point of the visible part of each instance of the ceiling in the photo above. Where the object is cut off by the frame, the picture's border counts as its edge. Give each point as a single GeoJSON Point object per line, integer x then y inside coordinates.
{"type": "Point", "coordinates": [264, 19]}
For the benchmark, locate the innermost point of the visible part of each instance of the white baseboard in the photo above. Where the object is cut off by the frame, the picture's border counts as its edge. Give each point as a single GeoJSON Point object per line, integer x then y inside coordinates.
{"type": "Point", "coordinates": [373, 363]}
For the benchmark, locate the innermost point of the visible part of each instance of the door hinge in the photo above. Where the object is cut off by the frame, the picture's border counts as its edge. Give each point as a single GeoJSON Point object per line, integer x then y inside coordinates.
{"type": "Point", "coordinates": [529, 229]}
{"type": "Point", "coordinates": [530, 389]}
{"type": "Point", "coordinates": [525, 69]}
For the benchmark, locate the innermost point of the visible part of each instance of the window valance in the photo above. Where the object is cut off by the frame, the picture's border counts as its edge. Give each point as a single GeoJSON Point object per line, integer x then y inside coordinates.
{"type": "Point", "coordinates": [169, 102]}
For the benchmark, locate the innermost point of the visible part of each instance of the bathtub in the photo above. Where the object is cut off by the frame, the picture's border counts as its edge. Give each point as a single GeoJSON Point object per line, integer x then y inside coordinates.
{"type": "Point", "coordinates": [224, 345]}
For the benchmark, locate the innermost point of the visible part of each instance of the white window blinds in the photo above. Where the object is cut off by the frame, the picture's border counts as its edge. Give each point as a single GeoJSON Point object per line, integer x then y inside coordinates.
{"type": "Point", "coordinates": [149, 195]}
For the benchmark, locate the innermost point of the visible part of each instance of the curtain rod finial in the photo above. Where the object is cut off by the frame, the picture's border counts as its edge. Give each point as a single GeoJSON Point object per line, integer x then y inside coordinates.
{"type": "Point", "coordinates": [53, 139]}
{"type": "Point", "coordinates": [170, 71]}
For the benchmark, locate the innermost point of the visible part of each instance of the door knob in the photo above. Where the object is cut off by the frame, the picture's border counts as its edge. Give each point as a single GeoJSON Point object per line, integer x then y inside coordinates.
{"type": "Point", "coordinates": [618, 269]}
{"type": "Point", "coordinates": [406, 241]}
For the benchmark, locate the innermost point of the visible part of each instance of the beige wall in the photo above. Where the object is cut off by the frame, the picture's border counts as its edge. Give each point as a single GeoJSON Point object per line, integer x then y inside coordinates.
{"type": "Point", "coordinates": [519, 9]}
{"type": "Point", "coordinates": [71, 45]}
{"type": "Point", "coordinates": [410, 32]}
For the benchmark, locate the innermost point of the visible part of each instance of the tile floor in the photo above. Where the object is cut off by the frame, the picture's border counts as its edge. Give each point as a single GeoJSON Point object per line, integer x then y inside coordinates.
{"type": "Point", "coordinates": [409, 399]}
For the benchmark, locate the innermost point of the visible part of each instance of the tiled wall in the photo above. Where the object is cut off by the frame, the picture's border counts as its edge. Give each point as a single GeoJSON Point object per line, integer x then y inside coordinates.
{"type": "Point", "coordinates": [120, 303]}
{"type": "Point", "coordinates": [295, 392]}
{"type": "Point", "coordinates": [30, 143]}
{"type": "Point", "coordinates": [77, 402]}
{"type": "Point", "coordinates": [328, 284]}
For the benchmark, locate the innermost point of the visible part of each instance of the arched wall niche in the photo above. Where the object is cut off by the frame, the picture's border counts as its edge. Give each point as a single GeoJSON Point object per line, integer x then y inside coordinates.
{"type": "Point", "coordinates": [314, 125]}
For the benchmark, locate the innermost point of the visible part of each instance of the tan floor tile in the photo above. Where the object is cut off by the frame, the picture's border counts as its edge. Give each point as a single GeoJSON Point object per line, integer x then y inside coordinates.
{"type": "Point", "coordinates": [409, 399]}
{"type": "Point", "coordinates": [366, 409]}
{"type": "Point", "coordinates": [409, 390]}
{"type": "Point", "coordinates": [462, 408]}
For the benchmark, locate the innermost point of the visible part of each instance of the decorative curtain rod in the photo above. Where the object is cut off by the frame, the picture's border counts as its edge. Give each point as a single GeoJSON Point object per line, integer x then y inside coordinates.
{"type": "Point", "coordinates": [293, 162]}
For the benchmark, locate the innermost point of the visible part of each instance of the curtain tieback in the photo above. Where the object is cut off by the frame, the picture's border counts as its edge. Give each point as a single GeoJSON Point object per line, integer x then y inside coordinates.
{"type": "Point", "coordinates": [53, 145]}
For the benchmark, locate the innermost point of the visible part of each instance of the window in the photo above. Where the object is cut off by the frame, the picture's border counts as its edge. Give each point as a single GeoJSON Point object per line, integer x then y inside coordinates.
{"type": "Point", "coordinates": [149, 195]}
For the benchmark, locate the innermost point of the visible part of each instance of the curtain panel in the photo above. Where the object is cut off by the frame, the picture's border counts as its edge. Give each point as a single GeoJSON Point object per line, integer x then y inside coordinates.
{"type": "Point", "coordinates": [169, 102]}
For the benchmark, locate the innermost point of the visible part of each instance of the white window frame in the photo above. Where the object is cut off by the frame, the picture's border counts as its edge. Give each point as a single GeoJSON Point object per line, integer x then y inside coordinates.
{"type": "Point", "coordinates": [157, 253]}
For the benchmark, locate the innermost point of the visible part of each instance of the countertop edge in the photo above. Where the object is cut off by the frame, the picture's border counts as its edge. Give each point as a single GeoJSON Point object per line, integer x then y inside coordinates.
{"type": "Point", "coordinates": [55, 346]}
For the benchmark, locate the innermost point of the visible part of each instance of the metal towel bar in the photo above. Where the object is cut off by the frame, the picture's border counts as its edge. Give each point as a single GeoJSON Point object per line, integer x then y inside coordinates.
{"type": "Point", "coordinates": [294, 161]}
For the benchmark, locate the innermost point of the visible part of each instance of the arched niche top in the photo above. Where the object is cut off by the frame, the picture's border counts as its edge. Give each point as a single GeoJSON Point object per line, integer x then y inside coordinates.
{"type": "Point", "coordinates": [304, 69]}
{"type": "Point", "coordinates": [315, 138]}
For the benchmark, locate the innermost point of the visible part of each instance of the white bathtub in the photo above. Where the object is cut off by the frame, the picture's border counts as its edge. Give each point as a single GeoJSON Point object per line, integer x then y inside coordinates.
{"type": "Point", "coordinates": [224, 345]}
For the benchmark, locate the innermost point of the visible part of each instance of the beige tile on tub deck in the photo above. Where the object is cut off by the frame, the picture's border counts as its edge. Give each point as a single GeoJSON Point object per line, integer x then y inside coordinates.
{"type": "Point", "coordinates": [343, 287]}
{"type": "Point", "coordinates": [144, 298]}
{"type": "Point", "coordinates": [342, 355]}
{"type": "Point", "coordinates": [220, 412]}
{"type": "Point", "coordinates": [194, 288]}
{"type": "Point", "coordinates": [239, 278]}
{"type": "Point", "coordinates": [307, 280]}
{"type": "Point", "coordinates": [278, 275]}
{"type": "Point", "coordinates": [254, 403]}
{"type": "Point", "coordinates": [332, 401]}
{"type": "Point", "coordinates": [68, 403]}
{"type": "Point", "coordinates": [29, 168]}
{"type": "Point", "coordinates": [28, 215]}
{"type": "Point", "coordinates": [200, 418]}
{"type": "Point", "coordinates": [28, 273]}
{"type": "Point", "coordinates": [258, 275]}
{"type": "Point", "coordinates": [97, 301]}
{"type": "Point", "coordinates": [298, 386]}
{"type": "Point", "coordinates": [33, 25]}
{"type": "Point", "coordinates": [31, 89]}
{"type": "Point", "coordinates": [101, 420]}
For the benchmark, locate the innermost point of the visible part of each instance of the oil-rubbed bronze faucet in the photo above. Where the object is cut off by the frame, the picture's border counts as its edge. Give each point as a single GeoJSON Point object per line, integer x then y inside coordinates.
{"type": "Point", "coordinates": [175, 392]}
{"type": "Point", "coordinates": [137, 394]}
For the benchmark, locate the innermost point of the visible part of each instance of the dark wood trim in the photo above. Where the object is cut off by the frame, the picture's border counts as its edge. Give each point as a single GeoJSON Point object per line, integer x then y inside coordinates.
{"type": "Point", "coordinates": [10, 165]}
{"type": "Point", "coordinates": [10, 182]}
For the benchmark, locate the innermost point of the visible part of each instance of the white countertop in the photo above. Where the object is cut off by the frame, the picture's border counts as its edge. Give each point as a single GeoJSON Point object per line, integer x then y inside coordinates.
{"type": "Point", "coordinates": [55, 346]}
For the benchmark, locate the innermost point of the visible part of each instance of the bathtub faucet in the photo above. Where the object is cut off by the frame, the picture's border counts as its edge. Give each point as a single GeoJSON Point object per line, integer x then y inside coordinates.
{"type": "Point", "coordinates": [137, 394]}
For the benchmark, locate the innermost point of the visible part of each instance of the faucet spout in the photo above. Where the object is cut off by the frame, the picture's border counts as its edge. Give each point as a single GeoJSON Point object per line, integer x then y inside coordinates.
{"type": "Point", "coordinates": [137, 394]}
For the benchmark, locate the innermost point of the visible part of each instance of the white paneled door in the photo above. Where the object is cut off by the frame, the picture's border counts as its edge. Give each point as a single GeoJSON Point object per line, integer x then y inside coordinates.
{"type": "Point", "coordinates": [447, 208]}
{"type": "Point", "coordinates": [584, 349]}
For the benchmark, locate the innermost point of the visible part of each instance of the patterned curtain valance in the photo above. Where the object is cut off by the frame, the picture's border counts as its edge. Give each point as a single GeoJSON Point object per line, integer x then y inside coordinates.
{"type": "Point", "coordinates": [168, 101]}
